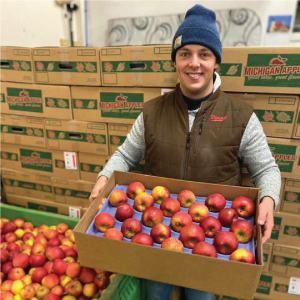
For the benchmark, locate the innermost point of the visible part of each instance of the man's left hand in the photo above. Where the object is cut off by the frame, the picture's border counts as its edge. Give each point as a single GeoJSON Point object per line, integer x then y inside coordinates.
{"type": "Point", "coordinates": [265, 217]}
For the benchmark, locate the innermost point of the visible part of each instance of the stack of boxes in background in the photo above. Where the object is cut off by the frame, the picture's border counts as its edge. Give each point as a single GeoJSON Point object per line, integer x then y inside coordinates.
{"type": "Point", "coordinates": [64, 111]}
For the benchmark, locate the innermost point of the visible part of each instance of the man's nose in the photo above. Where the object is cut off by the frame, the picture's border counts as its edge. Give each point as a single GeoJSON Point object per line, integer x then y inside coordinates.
{"type": "Point", "coordinates": [194, 61]}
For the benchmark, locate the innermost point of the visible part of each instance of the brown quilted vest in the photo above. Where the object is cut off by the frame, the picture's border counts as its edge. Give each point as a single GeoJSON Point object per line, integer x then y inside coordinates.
{"type": "Point", "coordinates": [209, 153]}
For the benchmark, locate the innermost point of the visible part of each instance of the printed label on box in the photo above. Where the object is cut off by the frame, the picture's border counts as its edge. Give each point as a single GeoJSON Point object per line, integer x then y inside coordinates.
{"type": "Point", "coordinates": [294, 286]}
{"type": "Point", "coordinates": [74, 212]}
{"type": "Point", "coordinates": [70, 160]}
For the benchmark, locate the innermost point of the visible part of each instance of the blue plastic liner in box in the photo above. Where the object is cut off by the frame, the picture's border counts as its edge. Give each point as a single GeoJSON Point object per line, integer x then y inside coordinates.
{"type": "Point", "coordinates": [138, 215]}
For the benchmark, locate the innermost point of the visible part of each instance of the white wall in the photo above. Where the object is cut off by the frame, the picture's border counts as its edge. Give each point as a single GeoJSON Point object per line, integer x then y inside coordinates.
{"type": "Point", "coordinates": [99, 12]}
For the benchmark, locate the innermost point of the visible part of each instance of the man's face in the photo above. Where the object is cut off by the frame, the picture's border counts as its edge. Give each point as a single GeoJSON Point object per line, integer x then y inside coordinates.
{"type": "Point", "coordinates": [195, 66]}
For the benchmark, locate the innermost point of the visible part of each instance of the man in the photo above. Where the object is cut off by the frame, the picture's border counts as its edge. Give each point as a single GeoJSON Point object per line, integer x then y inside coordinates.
{"type": "Point", "coordinates": [199, 133]}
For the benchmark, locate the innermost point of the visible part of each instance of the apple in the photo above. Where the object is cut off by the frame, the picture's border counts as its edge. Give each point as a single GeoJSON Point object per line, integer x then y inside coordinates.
{"type": "Point", "coordinates": [10, 237]}
{"type": "Point", "coordinates": [52, 296]}
{"type": "Point", "coordinates": [124, 211]}
{"type": "Point", "coordinates": [57, 290]}
{"type": "Point", "coordinates": [48, 266]}
{"type": "Point", "coordinates": [54, 242]}
{"type": "Point", "coordinates": [64, 279]}
{"type": "Point", "coordinates": [28, 225]}
{"type": "Point", "coordinates": [143, 239]}
{"type": "Point", "coordinates": [19, 232]}
{"type": "Point", "coordinates": [69, 297]}
{"type": "Point", "coordinates": [191, 234]}
{"type": "Point", "coordinates": [8, 227]}
{"type": "Point", "coordinates": [17, 286]}
{"type": "Point", "coordinates": [89, 290]}
{"type": "Point", "coordinates": [73, 287]}
{"type": "Point", "coordinates": [50, 234]}
{"type": "Point", "coordinates": [62, 227]}
{"type": "Point", "coordinates": [4, 255]}
{"type": "Point", "coordinates": [12, 254]}
{"type": "Point", "coordinates": [172, 244]}
{"type": "Point", "coordinates": [38, 274]}
{"type": "Point", "coordinates": [38, 249]}
{"type": "Point", "coordinates": [66, 242]}
{"type": "Point", "coordinates": [6, 285]}
{"type": "Point", "coordinates": [101, 281]}
{"type": "Point", "coordinates": [179, 220]}
{"type": "Point", "coordinates": [205, 249]}
{"type": "Point", "coordinates": [71, 252]}
{"type": "Point", "coordinates": [243, 230]}
{"type": "Point", "coordinates": [7, 295]}
{"type": "Point", "coordinates": [27, 236]}
{"type": "Point", "coordinates": [73, 269]}
{"type": "Point", "coordinates": [27, 279]}
{"type": "Point", "coordinates": [160, 232]}
{"type": "Point", "coordinates": [19, 222]}
{"type": "Point", "coordinates": [27, 292]}
{"type": "Point", "coordinates": [117, 198]}
{"type": "Point", "coordinates": [87, 275]}
{"type": "Point", "coordinates": [37, 260]}
{"type": "Point", "coordinates": [134, 189]}
{"type": "Point", "coordinates": [152, 216]}
{"type": "Point", "coordinates": [131, 227]}
{"type": "Point", "coordinates": [225, 242]}
{"type": "Point", "coordinates": [186, 198]}
{"type": "Point", "coordinates": [53, 253]}
{"type": "Point", "coordinates": [227, 216]}
{"type": "Point", "coordinates": [215, 202]}
{"type": "Point", "coordinates": [50, 281]}
{"type": "Point", "coordinates": [142, 201]}
{"type": "Point", "coordinates": [15, 274]}
{"type": "Point", "coordinates": [159, 194]}
{"type": "Point", "coordinates": [59, 267]}
{"type": "Point", "coordinates": [40, 239]}
{"type": "Point", "coordinates": [198, 212]}
{"type": "Point", "coordinates": [42, 292]}
{"type": "Point", "coordinates": [113, 233]}
{"type": "Point", "coordinates": [69, 259]}
{"type": "Point", "coordinates": [21, 260]}
{"type": "Point", "coordinates": [3, 245]}
{"type": "Point", "coordinates": [211, 226]}
{"type": "Point", "coordinates": [104, 221]}
{"type": "Point", "coordinates": [169, 207]}
{"type": "Point", "coordinates": [43, 228]}
{"type": "Point", "coordinates": [243, 255]}
{"type": "Point", "coordinates": [70, 234]}
{"type": "Point", "coordinates": [6, 267]}
{"type": "Point", "coordinates": [244, 206]}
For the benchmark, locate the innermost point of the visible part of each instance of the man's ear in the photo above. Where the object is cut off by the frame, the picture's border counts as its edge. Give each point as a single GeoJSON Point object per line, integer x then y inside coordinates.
{"type": "Point", "coordinates": [217, 66]}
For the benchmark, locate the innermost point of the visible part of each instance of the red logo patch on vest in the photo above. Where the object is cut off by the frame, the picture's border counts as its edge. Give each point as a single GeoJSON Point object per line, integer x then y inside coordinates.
{"type": "Point", "coordinates": [214, 118]}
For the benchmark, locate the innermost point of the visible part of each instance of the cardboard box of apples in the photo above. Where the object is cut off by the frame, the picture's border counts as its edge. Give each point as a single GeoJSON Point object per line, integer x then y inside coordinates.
{"type": "Point", "coordinates": [196, 235]}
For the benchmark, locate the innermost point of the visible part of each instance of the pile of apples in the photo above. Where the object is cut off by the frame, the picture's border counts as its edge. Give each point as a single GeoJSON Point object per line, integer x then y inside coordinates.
{"type": "Point", "coordinates": [42, 264]}
{"type": "Point", "coordinates": [179, 224]}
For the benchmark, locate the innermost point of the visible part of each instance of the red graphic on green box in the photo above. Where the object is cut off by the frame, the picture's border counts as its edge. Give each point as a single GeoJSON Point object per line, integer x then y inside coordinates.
{"type": "Point", "coordinates": [121, 105]}
{"type": "Point", "coordinates": [24, 99]}
{"type": "Point", "coordinates": [272, 70]}
{"type": "Point", "coordinates": [28, 131]}
{"type": "Point", "coordinates": [291, 230]}
{"type": "Point", "coordinates": [67, 67]}
{"type": "Point", "coordinates": [36, 160]}
{"type": "Point", "coordinates": [285, 156]}
{"type": "Point", "coordinates": [291, 197]}
{"type": "Point", "coordinates": [264, 285]}
{"type": "Point", "coordinates": [16, 65]}
{"type": "Point", "coordinates": [76, 136]}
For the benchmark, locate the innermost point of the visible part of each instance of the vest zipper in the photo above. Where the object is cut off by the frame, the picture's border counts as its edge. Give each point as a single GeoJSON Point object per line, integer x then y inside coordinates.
{"type": "Point", "coordinates": [199, 132]}
{"type": "Point", "coordinates": [187, 150]}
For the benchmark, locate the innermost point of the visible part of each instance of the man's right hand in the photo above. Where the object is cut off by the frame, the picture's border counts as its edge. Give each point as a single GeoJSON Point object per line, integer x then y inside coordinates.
{"type": "Point", "coordinates": [101, 182]}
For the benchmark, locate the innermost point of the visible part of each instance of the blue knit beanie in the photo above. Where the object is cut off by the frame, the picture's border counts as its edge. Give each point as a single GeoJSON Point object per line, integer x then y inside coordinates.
{"type": "Point", "coordinates": [198, 27]}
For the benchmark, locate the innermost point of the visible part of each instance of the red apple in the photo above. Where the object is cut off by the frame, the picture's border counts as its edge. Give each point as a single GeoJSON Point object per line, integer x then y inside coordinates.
{"type": "Point", "coordinates": [159, 194]}
{"type": "Point", "coordinates": [15, 274]}
{"type": "Point", "coordinates": [101, 281]}
{"type": "Point", "coordinates": [48, 266]}
{"type": "Point", "coordinates": [52, 296]}
{"type": "Point", "coordinates": [134, 189]}
{"type": "Point", "coordinates": [143, 239]}
{"type": "Point", "coordinates": [37, 260]}
{"type": "Point", "coordinates": [172, 244]}
{"type": "Point", "coordinates": [62, 228]}
{"type": "Point", "coordinates": [6, 267]}
{"type": "Point", "coordinates": [142, 201]}
{"type": "Point", "coordinates": [117, 198]}
{"type": "Point", "coordinates": [152, 216]}
{"type": "Point", "coordinates": [131, 227]}
{"type": "Point", "coordinates": [73, 288]}
{"type": "Point", "coordinates": [73, 269]}
{"type": "Point", "coordinates": [71, 252]}
{"type": "Point", "coordinates": [8, 227]}
{"type": "Point", "coordinates": [179, 220]}
{"type": "Point", "coordinates": [38, 248]}
{"type": "Point", "coordinates": [243, 255]}
{"type": "Point", "coordinates": [42, 292]}
{"type": "Point", "coordinates": [113, 233]}
{"type": "Point", "coordinates": [124, 211]}
{"type": "Point", "coordinates": [104, 221]}
{"type": "Point", "coordinates": [50, 281]}
{"type": "Point", "coordinates": [10, 237]}
{"type": "Point", "coordinates": [169, 207]}
{"type": "Point", "coordinates": [53, 253]}
{"type": "Point", "coordinates": [205, 249]}
{"type": "Point", "coordinates": [43, 228]}
{"type": "Point", "coordinates": [89, 290]}
{"type": "Point", "coordinates": [27, 292]}
{"type": "Point", "coordinates": [12, 254]}
{"type": "Point", "coordinates": [211, 226]}
{"type": "Point", "coordinates": [227, 216]}
{"type": "Point", "coordinates": [186, 198]}
{"type": "Point", "coordinates": [215, 202]}
{"type": "Point", "coordinates": [160, 232]}
{"type": "Point", "coordinates": [243, 230]}
{"type": "Point", "coordinates": [198, 212]}
{"type": "Point", "coordinates": [59, 267]}
{"type": "Point", "coordinates": [191, 234]}
{"type": "Point", "coordinates": [244, 206]}
{"type": "Point", "coordinates": [40, 239]}
{"type": "Point", "coordinates": [57, 290]}
{"type": "Point", "coordinates": [50, 234]}
{"type": "Point", "coordinates": [28, 236]}
{"type": "Point", "coordinates": [225, 242]}
{"type": "Point", "coordinates": [6, 285]}
{"type": "Point", "coordinates": [54, 242]}
{"type": "Point", "coordinates": [7, 295]}
{"type": "Point", "coordinates": [38, 274]}
{"type": "Point", "coordinates": [21, 260]}
{"type": "Point", "coordinates": [87, 275]}
{"type": "Point", "coordinates": [4, 255]}
{"type": "Point", "coordinates": [19, 222]}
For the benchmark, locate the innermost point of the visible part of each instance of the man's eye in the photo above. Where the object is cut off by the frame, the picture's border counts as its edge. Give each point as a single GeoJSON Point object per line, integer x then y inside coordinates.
{"type": "Point", "coordinates": [184, 54]}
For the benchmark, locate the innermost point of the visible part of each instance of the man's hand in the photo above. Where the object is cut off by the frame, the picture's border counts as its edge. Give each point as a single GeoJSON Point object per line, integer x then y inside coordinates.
{"type": "Point", "coordinates": [101, 182]}
{"type": "Point", "coordinates": [265, 217]}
